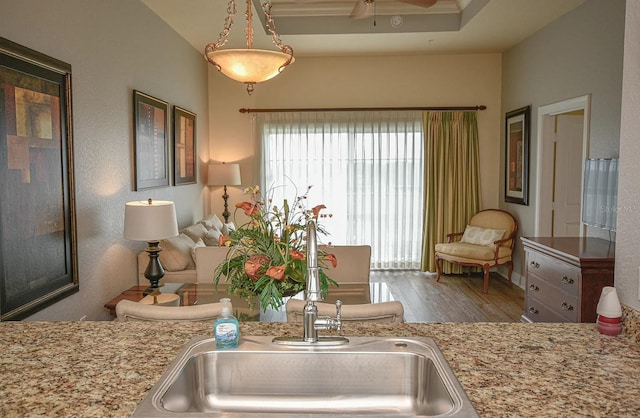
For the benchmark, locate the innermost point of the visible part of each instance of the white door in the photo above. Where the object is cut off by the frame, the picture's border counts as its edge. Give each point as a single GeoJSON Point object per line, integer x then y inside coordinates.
{"type": "Point", "coordinates": [567, 189]}
{"type": "Point", "coordinates": [561, 149]}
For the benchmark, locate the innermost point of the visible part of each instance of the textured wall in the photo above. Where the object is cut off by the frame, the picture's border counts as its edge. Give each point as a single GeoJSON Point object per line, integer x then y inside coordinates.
{"type": "Point", "coordinates": [567, 59]}
{"type": "Point", "coordinates": [114, 47]}
{"type": "Point", "coordinates": [627, 247]}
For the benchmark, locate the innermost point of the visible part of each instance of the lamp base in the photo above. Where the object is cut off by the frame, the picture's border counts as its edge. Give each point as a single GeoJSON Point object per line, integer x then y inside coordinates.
{"type": "Point", "coordinates": [226, 213]}
{"type": "Point", "coordinates": [154, 271]}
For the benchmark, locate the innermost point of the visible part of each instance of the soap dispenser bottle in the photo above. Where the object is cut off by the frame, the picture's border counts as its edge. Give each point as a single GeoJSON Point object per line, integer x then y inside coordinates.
{"type": "Point", "coordinates": [226, 329]}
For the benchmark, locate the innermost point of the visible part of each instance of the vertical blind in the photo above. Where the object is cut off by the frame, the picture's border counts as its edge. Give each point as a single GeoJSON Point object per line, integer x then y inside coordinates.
{"type": "Point", "coordinates": [365, 166]}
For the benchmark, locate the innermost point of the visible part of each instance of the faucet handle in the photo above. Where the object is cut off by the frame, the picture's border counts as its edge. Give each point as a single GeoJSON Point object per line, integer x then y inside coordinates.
{"type": "Point", "coordinates": [339, 314]}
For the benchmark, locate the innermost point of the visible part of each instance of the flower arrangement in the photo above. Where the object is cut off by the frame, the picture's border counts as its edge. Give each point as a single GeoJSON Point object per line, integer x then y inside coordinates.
{"type": "Point", "coordinates": [267, 255]}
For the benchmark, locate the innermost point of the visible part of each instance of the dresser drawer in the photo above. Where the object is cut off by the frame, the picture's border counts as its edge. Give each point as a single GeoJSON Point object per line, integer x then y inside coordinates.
{"type": "Point", "coordinates": [559, 274]}
{"type": "Point", "coordinates": [562, 303]}
{"type": "Point", "coordinates": [536, 311]}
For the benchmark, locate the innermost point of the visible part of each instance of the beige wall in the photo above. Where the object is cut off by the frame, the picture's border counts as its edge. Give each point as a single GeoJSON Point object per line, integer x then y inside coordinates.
{"type": "Point", "coordinates": [113, 47]}
{"type": "Point", "coordinates": [443, 80]}
{"type": "Point", "coordinates": [627, 248]}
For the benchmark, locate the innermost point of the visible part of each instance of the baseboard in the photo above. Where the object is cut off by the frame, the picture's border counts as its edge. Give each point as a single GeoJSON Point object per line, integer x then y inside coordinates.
{"type": "Point", "coordinates": [516, 278]}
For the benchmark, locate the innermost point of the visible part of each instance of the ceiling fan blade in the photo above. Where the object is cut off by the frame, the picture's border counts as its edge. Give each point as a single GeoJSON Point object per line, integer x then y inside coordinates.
{"type": "Point", "coordinates": [421, 3]}
{"type": "Point", "coordinates": [361, 10]}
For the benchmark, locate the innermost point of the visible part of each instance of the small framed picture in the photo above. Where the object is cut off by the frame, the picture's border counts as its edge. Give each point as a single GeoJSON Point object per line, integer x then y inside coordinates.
{"type": "Point", "coordinates": [184, 146]}
{"type": "Point", "coordinates": [517, 156]}
{"type": "Point", "coordinates": [151, 141]}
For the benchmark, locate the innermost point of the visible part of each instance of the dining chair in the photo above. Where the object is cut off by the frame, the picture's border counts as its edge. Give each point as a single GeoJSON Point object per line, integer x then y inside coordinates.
{"type": "Point", "coordinates": [392, 311]}
{"type": "Point", "coordinates": [127, 310]}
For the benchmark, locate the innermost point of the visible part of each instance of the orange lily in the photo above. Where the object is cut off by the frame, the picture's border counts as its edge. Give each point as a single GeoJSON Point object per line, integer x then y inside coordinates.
{"type": "Point", "coordinates": [223, 240]}
{"type": "Point", "coordinates": [276, 272]}
{"type": "Point", "coordinates": [249, 208]}
{"type": "Point", "coordinates": [254, 266]}
{"type": "Point", "coordinates": [332, 259]}
{"type": "Point", "coordinates": [297, 255]}
{"type": "Point", "coordinates": [316, 210]}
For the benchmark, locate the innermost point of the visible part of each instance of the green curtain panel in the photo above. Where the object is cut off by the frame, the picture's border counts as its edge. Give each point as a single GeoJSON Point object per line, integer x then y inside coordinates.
{"type": "Point", "coordinates": [451, 179]}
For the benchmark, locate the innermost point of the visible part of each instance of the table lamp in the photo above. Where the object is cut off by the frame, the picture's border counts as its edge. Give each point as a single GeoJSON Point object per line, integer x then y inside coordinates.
{"type": "Point", "coordinates": [151, 221]}
{"type": "Point", "coordinates": [224, 175]}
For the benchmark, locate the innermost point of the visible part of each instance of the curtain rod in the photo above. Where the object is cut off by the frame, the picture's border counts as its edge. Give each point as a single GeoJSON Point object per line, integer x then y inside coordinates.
{"type": "Point", "coordinates": [352, 109]}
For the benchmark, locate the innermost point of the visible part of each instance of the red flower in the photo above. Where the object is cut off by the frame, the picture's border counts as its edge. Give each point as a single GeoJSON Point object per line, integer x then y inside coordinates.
{"type": "Point", "coordinates": [249, 208]}
{"type": "Point", "coordinates": [316, 210]}
{"type": "Point", "coordinates": [331, 258]}
{"type": "Point", "coordinates": [276, 272]}
{"type": "Point", "coordinates": [297, 255]}
{"type": "Point", "coordinates": [255, 266]}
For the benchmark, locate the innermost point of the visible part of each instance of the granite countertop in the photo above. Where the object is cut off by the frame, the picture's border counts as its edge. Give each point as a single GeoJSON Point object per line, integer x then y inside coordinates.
{"type": "Point", "coordinates": [103, 369]}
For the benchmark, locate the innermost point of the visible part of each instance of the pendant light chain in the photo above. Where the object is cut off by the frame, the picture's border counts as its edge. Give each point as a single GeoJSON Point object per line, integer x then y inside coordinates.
{"type": "Point", "coordinates": [271, 26]}
{"type": "Point", "coordinates": [223, 37]}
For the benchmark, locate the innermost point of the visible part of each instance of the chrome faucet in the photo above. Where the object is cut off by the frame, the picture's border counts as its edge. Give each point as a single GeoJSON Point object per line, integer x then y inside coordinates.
{"type": "Point", "coordinates": [313, 294]}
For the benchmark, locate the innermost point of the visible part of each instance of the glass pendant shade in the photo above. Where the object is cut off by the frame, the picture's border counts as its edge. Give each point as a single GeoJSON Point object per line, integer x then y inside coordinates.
{"type": "Point", "coordinates": [249, 65]}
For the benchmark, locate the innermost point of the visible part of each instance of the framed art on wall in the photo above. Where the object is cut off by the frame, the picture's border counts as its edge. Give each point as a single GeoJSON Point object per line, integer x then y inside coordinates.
{"type": "Point", "coordinates": [38, 240]}
{"type": "Point", "coordinates": [517, 156]}
{"type": "Point", "coordinates": [150, 141]}
{"type": "Point", "coordinates": [184, 146]}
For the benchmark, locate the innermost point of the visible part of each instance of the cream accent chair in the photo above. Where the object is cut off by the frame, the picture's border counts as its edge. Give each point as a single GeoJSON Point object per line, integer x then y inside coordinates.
{"type": "Point", "coordinates": [127, 310]}
{"type": "Point", "coordinates": [368, 312]}
{"type": "Point", "coordinates": [486, 242]}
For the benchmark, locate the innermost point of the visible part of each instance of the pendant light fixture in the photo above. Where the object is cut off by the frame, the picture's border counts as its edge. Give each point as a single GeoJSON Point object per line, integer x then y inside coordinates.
{"type": "Point", "coordinates": [249, 65]}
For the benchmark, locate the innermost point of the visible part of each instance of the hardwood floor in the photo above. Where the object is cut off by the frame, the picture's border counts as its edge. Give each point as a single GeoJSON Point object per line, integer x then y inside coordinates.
{"type": "Point", "coordinates": [456, 298]}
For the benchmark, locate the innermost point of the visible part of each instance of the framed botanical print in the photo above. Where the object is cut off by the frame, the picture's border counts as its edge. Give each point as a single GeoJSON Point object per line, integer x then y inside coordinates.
{"type": "Point", "coordinates": [151, 141]}
{"type": "Point", "coordinates": [184, 146]}
{"type": "Point", "coordinates": [517, 156]}
{"type": "Point", "coordinates": [38, 240]}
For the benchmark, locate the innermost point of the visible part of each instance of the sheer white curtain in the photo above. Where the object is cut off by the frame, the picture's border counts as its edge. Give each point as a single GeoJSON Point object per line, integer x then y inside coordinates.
{"type": "Point", "coordinates": [365, 166]}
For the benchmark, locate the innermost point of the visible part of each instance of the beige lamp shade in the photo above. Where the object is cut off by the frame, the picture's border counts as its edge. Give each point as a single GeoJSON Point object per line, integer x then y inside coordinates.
{"type": "Point", "coordinates": [150, 220]}
{"type": "Point", "coordinates": [249, 65]}
{"type": "Point", "coordinates": [224, 175]}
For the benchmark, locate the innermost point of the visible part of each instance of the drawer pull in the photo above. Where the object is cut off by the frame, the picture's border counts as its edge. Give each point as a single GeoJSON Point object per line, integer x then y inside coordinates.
{"type": "Point", "coordinates": [567, 280]}
{"type": "Point", "coordinates": [566, 306]}
{"type": "Point", "coordinates": [533, 310]}
{"type": "Point", "coordinates": [535, 265]}
{"type": "Point", "coordinates": [533, 287]}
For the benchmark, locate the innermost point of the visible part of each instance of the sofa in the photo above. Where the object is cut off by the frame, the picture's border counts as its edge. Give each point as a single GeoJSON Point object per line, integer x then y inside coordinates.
{"type": "Point", "coordinates": [194, 255]}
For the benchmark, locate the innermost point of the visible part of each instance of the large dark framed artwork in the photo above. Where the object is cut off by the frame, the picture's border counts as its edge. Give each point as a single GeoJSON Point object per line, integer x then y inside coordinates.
{"type": "Point", "coordinates": [151, 141]}
{"type": "Point", "coordinates": [38, 244]}
{"type": "Point", "coordinates": [517, 156]}
{"type": "Point", "coordinates": [184, 146]}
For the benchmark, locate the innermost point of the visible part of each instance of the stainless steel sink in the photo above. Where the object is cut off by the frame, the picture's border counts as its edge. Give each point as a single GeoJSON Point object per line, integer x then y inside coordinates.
{"type": "Point", "coordinates": [367, 377]}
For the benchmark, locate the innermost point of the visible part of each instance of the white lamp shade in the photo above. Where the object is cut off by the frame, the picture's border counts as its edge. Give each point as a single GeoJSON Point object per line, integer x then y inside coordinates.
{"type": "Point", "coordinates": [150, 220]}
{"type": "Point", "coordinates": [224, 175]}
{"type": "Point", "coordinates": [609, 304]}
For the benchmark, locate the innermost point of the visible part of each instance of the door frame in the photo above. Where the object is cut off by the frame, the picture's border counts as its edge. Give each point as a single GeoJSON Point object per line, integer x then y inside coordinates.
{"type": "Point", "coordinates": [544, 204]}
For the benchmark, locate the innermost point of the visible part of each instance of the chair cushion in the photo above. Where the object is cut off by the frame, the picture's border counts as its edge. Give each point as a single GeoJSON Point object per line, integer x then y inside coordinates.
{"type": "Point", "coordinates": [463, 251]}
{"type": "Point", "coordinates": [481, 236]}
{"type": "Point", "coordinates": [495, 219]}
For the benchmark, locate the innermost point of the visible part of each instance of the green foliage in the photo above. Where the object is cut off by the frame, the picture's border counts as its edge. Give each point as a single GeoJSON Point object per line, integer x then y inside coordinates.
{"type": "Point", "coordinates": [267, 255]}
